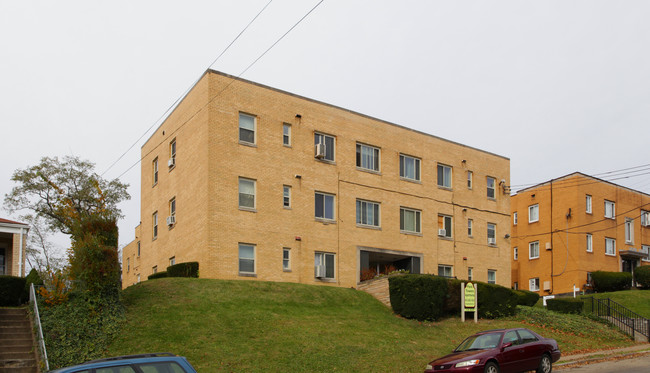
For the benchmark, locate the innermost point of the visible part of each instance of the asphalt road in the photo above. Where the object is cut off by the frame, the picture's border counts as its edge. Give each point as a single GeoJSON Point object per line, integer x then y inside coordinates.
{"type": "Point", "coordinates": [636, 365]}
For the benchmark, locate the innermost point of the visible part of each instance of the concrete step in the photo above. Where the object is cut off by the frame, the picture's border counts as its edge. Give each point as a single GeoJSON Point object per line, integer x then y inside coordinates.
{"type": "Point", "coordinates": [19, 355]}
{"type": "Point", "coordinates": [19, 370]}
{"type": "Point", "coordinates": [17, 347]}
{"type": "Point", "coordinates": [18, 366]}
{"type": "Point", "coordinates": [9, 342]}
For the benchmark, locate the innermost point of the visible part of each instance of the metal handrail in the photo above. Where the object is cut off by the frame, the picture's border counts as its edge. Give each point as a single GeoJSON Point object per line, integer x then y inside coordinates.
{"type": "Point", "coordinates": [627, 320]}
{"type": "Point", "coordinates": [37, 320]}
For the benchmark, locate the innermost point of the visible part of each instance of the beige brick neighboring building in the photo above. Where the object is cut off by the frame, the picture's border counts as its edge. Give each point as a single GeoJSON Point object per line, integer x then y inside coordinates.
{"type": "Point", "coordinates": [253, 195]}
{"type": "Point", "coordinates": [13, 244]}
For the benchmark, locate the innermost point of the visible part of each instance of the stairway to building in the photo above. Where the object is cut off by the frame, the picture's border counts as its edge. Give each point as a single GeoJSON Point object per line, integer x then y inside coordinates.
{"type": "Point", "coordinates": [378, 288]}
{"type": "Point", "coordinates": [16, 342]}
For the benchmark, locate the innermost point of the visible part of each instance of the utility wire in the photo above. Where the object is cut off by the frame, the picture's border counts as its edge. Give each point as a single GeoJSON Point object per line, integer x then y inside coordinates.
{"type": "Point", "coordinates": [620, 172]}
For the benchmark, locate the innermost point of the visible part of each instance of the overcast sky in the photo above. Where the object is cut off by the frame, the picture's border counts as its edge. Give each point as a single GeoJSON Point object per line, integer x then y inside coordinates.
{"type": "Point", "coordinates": [556, 86]}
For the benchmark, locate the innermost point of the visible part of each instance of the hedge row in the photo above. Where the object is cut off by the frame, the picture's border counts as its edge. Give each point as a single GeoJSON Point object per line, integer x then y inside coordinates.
{"type": "Point", "coordinates": [565, 305]}
{"type": "Point", "coordinates": [526, 298]}
{"type": "Point", "coordinates": [187, 269]}
{"type": "Point", "coordinates": [12, 290]}
{"type": "Point", "coordinates": [157, 275]}
{"type": "Point", "coordinates": [642, 276]}
{"type": "Point", "coordinates": [611, 281]}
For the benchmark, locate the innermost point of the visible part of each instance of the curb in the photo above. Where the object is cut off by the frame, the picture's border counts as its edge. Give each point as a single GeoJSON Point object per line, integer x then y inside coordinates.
{"type": "Point", "coordinates": [605, 355]}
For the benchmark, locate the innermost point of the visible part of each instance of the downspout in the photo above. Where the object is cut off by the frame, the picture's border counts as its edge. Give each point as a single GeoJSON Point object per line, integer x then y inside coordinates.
{"type": "Point", "coordinates": [20, 255]}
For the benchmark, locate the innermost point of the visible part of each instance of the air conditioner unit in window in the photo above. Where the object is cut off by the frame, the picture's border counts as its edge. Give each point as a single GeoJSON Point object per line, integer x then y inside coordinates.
{"type": "Point", "coordinates": [442, 232]}
{"type": "Point", "coordinates": [320, 271]}
{"type": "Point", "coordinates": [492, 241]}
{"type": "Point", "coordinates": [171, 162]}
{"type": "Point", "coordinates": [320, 151]}
{"type": "Point", "coordinates": [171, 220]}
{"type": "Point", "coordinates": [547, 285]}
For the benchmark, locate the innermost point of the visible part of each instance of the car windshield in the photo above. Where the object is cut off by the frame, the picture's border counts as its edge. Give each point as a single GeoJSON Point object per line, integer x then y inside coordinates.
{"type": "Point", "coordinates": [479, 342]}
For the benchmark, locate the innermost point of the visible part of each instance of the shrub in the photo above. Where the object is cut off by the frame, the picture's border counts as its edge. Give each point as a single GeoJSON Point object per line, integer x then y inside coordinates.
{"type": "Point", "coordinates": [452, 301]}
{"type": "Point", "coordinates": [526, 298]}
{"type": "Point", "coordinates": [495, 301]}
{"type": "Point", "coordinates": [642, 276]}
{"type": "Point", "coordinates": [11, 290]}
{"type": "Point", "coordinates": [187, 269]}
{"type": "Point", "coordinates": [420, 297]}
{"type": "Point", "coordinates": [565, 305]}
{"type": "Point", "coordinates": [158, 275]}
{"type": "Point", "coordinates": [611, 281]}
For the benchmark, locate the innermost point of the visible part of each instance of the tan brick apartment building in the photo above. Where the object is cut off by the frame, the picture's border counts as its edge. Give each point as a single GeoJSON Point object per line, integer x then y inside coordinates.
{"type": "Point", "coordinates": [13, 244]}
{"type": "Point", "coordinates": [256, 183]}
{"type": "Point", "coordinates": [566, 228]}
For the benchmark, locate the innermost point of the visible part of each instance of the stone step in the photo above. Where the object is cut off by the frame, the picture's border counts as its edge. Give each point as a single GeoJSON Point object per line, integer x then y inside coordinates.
{"type": "Point", "coordinates": [23, 341]}
{"type": "Point", "coordinates": [17, 347]}
{"type": "Point", "coordinates": [31, 369]}
{"type": "Point", "coordinates": [20, 355]}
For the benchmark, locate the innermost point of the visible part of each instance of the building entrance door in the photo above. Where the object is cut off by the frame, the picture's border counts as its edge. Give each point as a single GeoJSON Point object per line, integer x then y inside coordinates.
{"type": "Point", "coordinates": [2, 261]}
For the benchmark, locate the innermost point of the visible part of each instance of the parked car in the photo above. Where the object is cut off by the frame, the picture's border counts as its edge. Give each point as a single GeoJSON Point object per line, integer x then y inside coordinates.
{"type": "Point", "coordinates": [503, 350]}
{"type": "Point", "coordinates": [164, 362]}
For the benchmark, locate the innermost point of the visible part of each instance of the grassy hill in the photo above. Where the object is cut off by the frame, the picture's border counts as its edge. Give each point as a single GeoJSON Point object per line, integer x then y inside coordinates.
{"type": "Point", "coordinates": [263, 326]}
{"type": "Point", "coordinates": [636, 300]}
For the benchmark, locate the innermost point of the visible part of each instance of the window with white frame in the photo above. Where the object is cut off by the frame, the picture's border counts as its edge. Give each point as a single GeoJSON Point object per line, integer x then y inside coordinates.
{"type": "Point", "coordinates": [491, 233]}
{"type": "Point", "coordinates": [367, 157]}
{"type": "Point", "coordinates": [324, 265]}
{"type": "Point", "coordinates": [324, 206]}
{"type": "Point", "coordinates": [246, 258]}
{"type": "Point", "coordinates": [533, 250]}
{"type": "Point", "coordinates": [610, 210]}
{"type": "Point", "coordinates": [172, 153]}
{"type": "Point", "coordinates": [154, 219]}
{"type": "Point", "coordinates": [172, 261]}
{"type": "Point", "coordinates": [645, 249]}
{"type": "Point", "coordinates": [367, 213]}
{"type": "Point", "coordinates": [286, 259]}
{"type": "Point", "coordinates": [515, 218]}
{"type": "Point", "coordinates": [533, 284]}
{"type": "Point", "coordinates": [409, 167]}
{"type": "Point", "coordinates": [491, 187]}
{"type": "Point", "coordinates": [328, 145]}
{"type": "Point", "coordinates": [286, 196]}
{"type": "Point", "coordinates": [128, 264]}
{"type": "Point", "coordinates": [138, 249]}
{"type": "Point", "coordinates": [286, 134]}
{"type": "Point", "coordinates": [515, 253]}
{"type": "Point", "coordinates": [470, 224]}
{"type": "Point", "coordinates": [589, 278]}
{"type": "Point", "coordinates": [444, 176]}
{"type": "Point", "coordinates": [645, 218]}
{"type": "Point", "coordinates": [516, 285]}
{"type": "Point", "coordinates": [588, 204]}
{"type": "Point", "coordinates": [470, 177]}
{"type": "Point", "coordinates": [246, 128]}
{"type": "Point", "coordinates": [470, 273]}
{"type": "Point", "coordinates": [590, 243]}
{"type": "Point", "coordinates": [492, 276]}
{"type": "Point", "coordinates": [629, 231]}
{"type": "Point", "coordinates": [444, 226]}
{"type": "Point", "coordinates": [172, 207]}
{"type": "Point", "coordinates": [154, 269]}
{"type": "Point", "coordinates": [444, 270]}
{"type": "Point", "coordinates": [610, 246]}
{"type": "Point", "coordinates": [246, 193]}
{"type": "Point", "coordinates": [533, 213]}
{"type": "Point", "coordinates": [154, 167]}
{"type": "Point", "coordinates": [409, 220]}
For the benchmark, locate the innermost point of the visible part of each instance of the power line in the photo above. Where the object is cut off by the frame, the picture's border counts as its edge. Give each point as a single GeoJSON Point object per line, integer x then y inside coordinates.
{"type": "Point", "coordinates": [620, 172]}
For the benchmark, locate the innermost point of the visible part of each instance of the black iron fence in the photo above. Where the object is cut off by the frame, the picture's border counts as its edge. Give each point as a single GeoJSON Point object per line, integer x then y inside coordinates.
{"type": "Point", "coordinates": [625, 319]}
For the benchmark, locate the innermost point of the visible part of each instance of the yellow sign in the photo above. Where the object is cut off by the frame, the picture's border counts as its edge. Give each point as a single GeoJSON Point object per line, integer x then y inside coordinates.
{"type": "Point", "coordinates": [470, 296]}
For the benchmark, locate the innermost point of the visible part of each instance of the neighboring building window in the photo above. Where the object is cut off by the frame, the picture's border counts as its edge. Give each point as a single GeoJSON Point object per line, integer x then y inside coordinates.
{"type": "Point", "coordinates": [589, 278]}
{"type": "Point", "coordinates": [329, 144]}
{"type": "Point", "coordinates": [516, 285]}
{"type": "Point", "coordinates": [246, 193]}
{"type": "Point", "coordinates": [409, 220]}
{"type": "Point", "coordinates": [588, 204]}
{"type": "Point", "coordinates": [172, 207]}
{"type": "Point", "coordinates": [610, 210]}
{"type": "Point", "coordinates": [470, 224]}
{"type": "Point", "coordinates": [470, 177]}
{"type": "Point", "coordinates": [645, 218]}
{"type": "Point", "coordinates": [444, 224]}
{"type": "Point", "coordinates": [629, 231]}
{"type": "Point", "coordinates": [491, 185]}
{"type": "Point", "coordinates": [128, 264]}
{"type": "Point", "coordinates": [172, 261]}
{"type": "Point", "coordinates": [514, 218]}
{"type": "Point", "coordinates": [367, 213]}
{"type": "Point", "coordinates": [533, 284]}
{"type": "Point", "coordinates": [645, 249]}
{"type": "Point", "coordinates": [246, 128]}
{"type": "Point", "coordinates": [444, 176]}
{"type": "Point", "coordinates": [533, 213]}
{"type": "Point", "coordinates": [138, 249]}
{"type": "Point", "coordinates": [444, 270]}
{"type": "Point", "coordinates": [492, 276]}
{"type": "Point", "coordinates": [367, 157]}
{"type": "Point", "coordinates": [246, 258]}
{"type": "Point", "coordinates": [409, 167]}
{"type": "Point", "coordinates": [172, 153]}
{"type": "Point", "coordinates": [155, 225]}
{"type": "Point", "coordinates": [286, 259]}
{"type": "Point", "coordinates": [516, 253]}
{"type": "Point", "coordinates": [138, 278]}
{"type": "Point", "coordinates": [533, 250]}
{"type": "Point", "coordinates": [610, 246]}
{"type": "Point", "coordinates": [324, 206]}
{"type": "Point", "coordinates": [286, 134]}
{"type": "Point", "coordinates": [155, 171]}
{"type": "Point", "coordinates": [492, 233]}
{"type": "Point", "coordinates": [324, 265]}
{"type": "Point", "coordinates": [590, 243]}
{"type": "Point", "coordinates": [154, 269]}
{"type": "Point", "coordinates": [470, 274]}
{"type": "Point", "coordinates": [286, 196]}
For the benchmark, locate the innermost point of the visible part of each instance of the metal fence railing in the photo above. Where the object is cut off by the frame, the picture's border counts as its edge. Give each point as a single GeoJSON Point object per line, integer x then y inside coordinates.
{"type": "Point", "coordinates": [37, 323]}
{"type": "Point", "coordinates": [625, 319]}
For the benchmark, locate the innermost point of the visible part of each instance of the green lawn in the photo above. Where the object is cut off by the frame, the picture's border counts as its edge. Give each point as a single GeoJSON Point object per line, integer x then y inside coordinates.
{"type": "Point", "coordinates": [264, 326]}
{"type": "Point", "coordinates": [635, 300]}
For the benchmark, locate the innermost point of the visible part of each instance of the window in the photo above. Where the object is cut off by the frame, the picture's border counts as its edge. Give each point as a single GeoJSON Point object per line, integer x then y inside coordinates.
{"type": "Point", "coordinates": [492, 276]}
{"type": "Point", "coordinates": [246, 258]}
{"type": "Point", "coordinates": [286, 134]}
{"type": "Point", "coordinates": [470, 223]}
{"type": "Point", "coordinates": [444, 176]}
{"type": "Point", "coordinates": [128, 264]}
{"type": "Point", "coordinates": [329, 144]}
{"type": "Point", "coordinates": [246, 193]}
{"type": "Point", "coordinates": [286, 196]}
{"type": "Point", "coordinates": [533, 213]}
{"type": "Point", "coordinates": [470, 274]}
{"type": "Point", "coordinates": [324, 265]}
{"type": "Point", "coordinates": [526, 336]}
{"type": "Point", "coordinates": [533, 250]}
{"type": "Point", "coordinates": [246, 128]}
{"type": "Point", "coordinates": [514, 218]}
{"type": "Point", "coordinates": [367, 213]}
{"type": "Point", "coordinates": [491, 192]}
{"type": "Point", "coordinates": [515, 253]}
{"type": "Point", "coordinates": [138, 249]}
{"type": "Point", "coordinates": [645, 249]}
{"type": "Point", "coordinates": [367, 157]}
{"type": "Point", "coordinates": [470, 177]}
{"type": "Point", "coordinates": [172, 207]}
{"type": "Point", "coordinates": [172, 154]}
{"type": "Point", "coordinates": [516, 285]}
{"type": "Point", "coordinates": [154, 269]}
{"type": "Point", "coordinates": [610, 246]}
{"type": "Point", "coordinates": [444, 270]}
{"type": "Point", "coordinates": [286, 259]}
{"type": "Point", "coordinates": [409, 220]}
{"type": "Point", "coordinates": [645, 218]}
{"type": "Point", "coordinates": [589, 278]}
{"type": "Point", "coordinates": [409, 167]}
{"type": "Point", "coordinates": [588, 204]}
{"type": "Point", "coordinates": [444, 224]}
{"type": "Point", "coordinates": [492, 233]}
{"type": "Point", "coordinates": [610, 210]}
{"type": "Point", "coordinates": [172, 261]}
{"type": "Point", "coordinates": [629, 231]}
{"type": "Point", "coordinates": [155, 171]}
{"type": "Point", "coordinates": [154, 219]}
{"type": "Point", "coordinates": [533, 284]}
{"type": "Point", "coordinates": [590, 243]}
{"type": "Point", "coordinates": [324, 208]}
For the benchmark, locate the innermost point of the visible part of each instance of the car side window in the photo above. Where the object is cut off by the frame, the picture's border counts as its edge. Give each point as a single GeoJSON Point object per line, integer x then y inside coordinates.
{"type": "Point", "coordinates": [118, 369]}
{"type": "Point", "coordinates": [164, 367]}
{"type": "Point", "coordinates": [526, 336]}
{"type": "Point", "coordinates": [511, 337]}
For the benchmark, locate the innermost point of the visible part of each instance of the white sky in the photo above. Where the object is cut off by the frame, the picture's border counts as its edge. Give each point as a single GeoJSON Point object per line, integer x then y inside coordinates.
{"type": "Point", "coordinates": [556, 86]}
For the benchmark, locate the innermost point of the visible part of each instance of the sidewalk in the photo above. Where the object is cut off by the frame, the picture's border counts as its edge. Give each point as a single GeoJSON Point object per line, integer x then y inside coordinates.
{"type": "Point", "coordinates": [617, 353]}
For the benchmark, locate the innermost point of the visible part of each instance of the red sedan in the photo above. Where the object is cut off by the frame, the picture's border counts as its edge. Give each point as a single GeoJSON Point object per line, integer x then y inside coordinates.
{"type": "Point", "coordinates": [503, 350]}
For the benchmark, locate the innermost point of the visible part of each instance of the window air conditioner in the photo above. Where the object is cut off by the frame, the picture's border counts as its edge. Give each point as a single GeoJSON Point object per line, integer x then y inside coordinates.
{"type": "Point", "coordinates": [492, 241]}
{"type": "Point", "coordinates": [547, 285]}
{"type": "Point", "coordinates": [171, 162]}
{"type": "Point", "coordinates": [171, 220]}
{"type": "Point", "coordinates": [320, 271]}
{"type": "Point", "coordinates": [442, 232]}
{"type": "Point", "coordinates": [320, 150]}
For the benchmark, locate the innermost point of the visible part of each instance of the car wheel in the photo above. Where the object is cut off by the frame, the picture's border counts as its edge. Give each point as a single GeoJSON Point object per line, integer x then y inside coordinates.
{"type": "Point", "coordinates": [545, 365]}
{"type": "Point", "coordinates": [491, 367]}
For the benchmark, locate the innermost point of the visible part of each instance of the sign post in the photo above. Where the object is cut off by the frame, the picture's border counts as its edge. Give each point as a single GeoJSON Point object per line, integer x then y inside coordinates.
{"type": "Point", "coordinates": [468, 300]}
